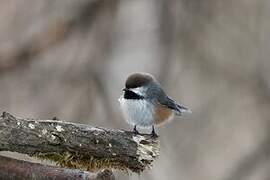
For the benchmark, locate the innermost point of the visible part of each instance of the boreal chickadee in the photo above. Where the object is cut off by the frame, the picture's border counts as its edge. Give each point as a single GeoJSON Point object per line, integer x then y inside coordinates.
{"type": "Point", "coordinates": [145, 104]}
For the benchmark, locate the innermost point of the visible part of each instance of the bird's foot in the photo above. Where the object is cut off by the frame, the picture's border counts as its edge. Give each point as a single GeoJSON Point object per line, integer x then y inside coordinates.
{"type": "Point", "coordinates": [135, 131]}
{"type": "Point", "coordinates": [153, 133]}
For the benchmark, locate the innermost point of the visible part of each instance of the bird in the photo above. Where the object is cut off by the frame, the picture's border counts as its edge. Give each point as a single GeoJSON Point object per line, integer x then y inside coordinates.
{"type": "Point", "coordinates": [144, 103]}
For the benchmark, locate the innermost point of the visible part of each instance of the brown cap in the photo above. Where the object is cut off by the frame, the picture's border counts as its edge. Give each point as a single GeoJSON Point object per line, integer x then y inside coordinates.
{"type": "Point", "coordinates": [138, 80]}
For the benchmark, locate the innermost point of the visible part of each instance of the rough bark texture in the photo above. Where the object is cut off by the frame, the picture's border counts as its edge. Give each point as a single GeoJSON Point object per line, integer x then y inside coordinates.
{"type": "Point", "coordinates": [17, 169]}
{"type": "Point", "coordinates": [77, 145]}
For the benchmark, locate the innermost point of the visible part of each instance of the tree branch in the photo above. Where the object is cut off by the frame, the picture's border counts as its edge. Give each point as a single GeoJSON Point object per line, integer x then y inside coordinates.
{"type": "Point", "coordinates": [17, 169]}
{"type": "Point", "coordinates": [77, 145]}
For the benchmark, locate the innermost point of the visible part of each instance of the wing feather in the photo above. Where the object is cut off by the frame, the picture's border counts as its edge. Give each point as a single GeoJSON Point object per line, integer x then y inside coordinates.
{"type": "Point", "coordinates": [171, 104]}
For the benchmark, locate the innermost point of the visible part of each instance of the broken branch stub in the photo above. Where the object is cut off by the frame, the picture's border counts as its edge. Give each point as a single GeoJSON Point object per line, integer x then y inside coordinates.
{"type": "Point", "coordinates": [77, 145]}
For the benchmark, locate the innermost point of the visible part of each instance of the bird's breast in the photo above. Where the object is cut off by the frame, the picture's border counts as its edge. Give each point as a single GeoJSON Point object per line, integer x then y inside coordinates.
{"type": "Point", "coordinates": [137, 112]}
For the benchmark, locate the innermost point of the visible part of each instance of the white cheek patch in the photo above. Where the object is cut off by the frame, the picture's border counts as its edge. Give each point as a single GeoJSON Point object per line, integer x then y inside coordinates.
{"type": "Point", "coordinates": [139, 90]}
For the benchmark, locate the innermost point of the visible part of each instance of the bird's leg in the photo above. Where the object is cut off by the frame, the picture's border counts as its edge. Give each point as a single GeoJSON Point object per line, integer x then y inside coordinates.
{"type": "Point", "coordinates": [135, 130]}
{"type": "Point", "coordinates": [154, 134]}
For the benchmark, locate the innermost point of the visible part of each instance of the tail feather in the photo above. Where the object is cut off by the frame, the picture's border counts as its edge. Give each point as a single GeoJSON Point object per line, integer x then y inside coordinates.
{"type": "Point", "coordinates": [182, 109]}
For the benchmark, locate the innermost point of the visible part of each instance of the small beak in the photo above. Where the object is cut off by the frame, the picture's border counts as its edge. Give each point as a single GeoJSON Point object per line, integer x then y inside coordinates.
{"type": "Point", "coordinates": [125, 89]}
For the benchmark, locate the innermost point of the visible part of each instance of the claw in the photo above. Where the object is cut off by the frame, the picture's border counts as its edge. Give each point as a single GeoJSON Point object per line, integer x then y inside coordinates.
{"type": "Point", "coordinates": [153, 133]}
{"type": "Point", "coordinates": [135, 131]}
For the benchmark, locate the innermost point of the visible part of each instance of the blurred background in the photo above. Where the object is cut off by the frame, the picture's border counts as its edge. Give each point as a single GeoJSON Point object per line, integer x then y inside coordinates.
{"type": "Point", "coordinates": [70, 59]}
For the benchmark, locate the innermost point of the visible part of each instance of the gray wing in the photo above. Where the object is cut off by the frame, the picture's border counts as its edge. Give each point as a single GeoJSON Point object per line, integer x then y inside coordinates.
{"type": "Point", "coordinates": [155, 92]}
{"type": "Point", "coordinates": [171, 104]}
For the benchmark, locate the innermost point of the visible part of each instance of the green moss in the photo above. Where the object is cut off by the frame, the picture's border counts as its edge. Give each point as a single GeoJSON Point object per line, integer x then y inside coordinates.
{"type": "Point", "coordinates": [89, 163]}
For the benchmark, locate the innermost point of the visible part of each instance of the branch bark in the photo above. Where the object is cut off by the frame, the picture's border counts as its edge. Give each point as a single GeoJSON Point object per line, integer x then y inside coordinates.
{"type": "Point", "coordinates": [17, 169]}
{"type": "Point", "coordinates": [77, 145]}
